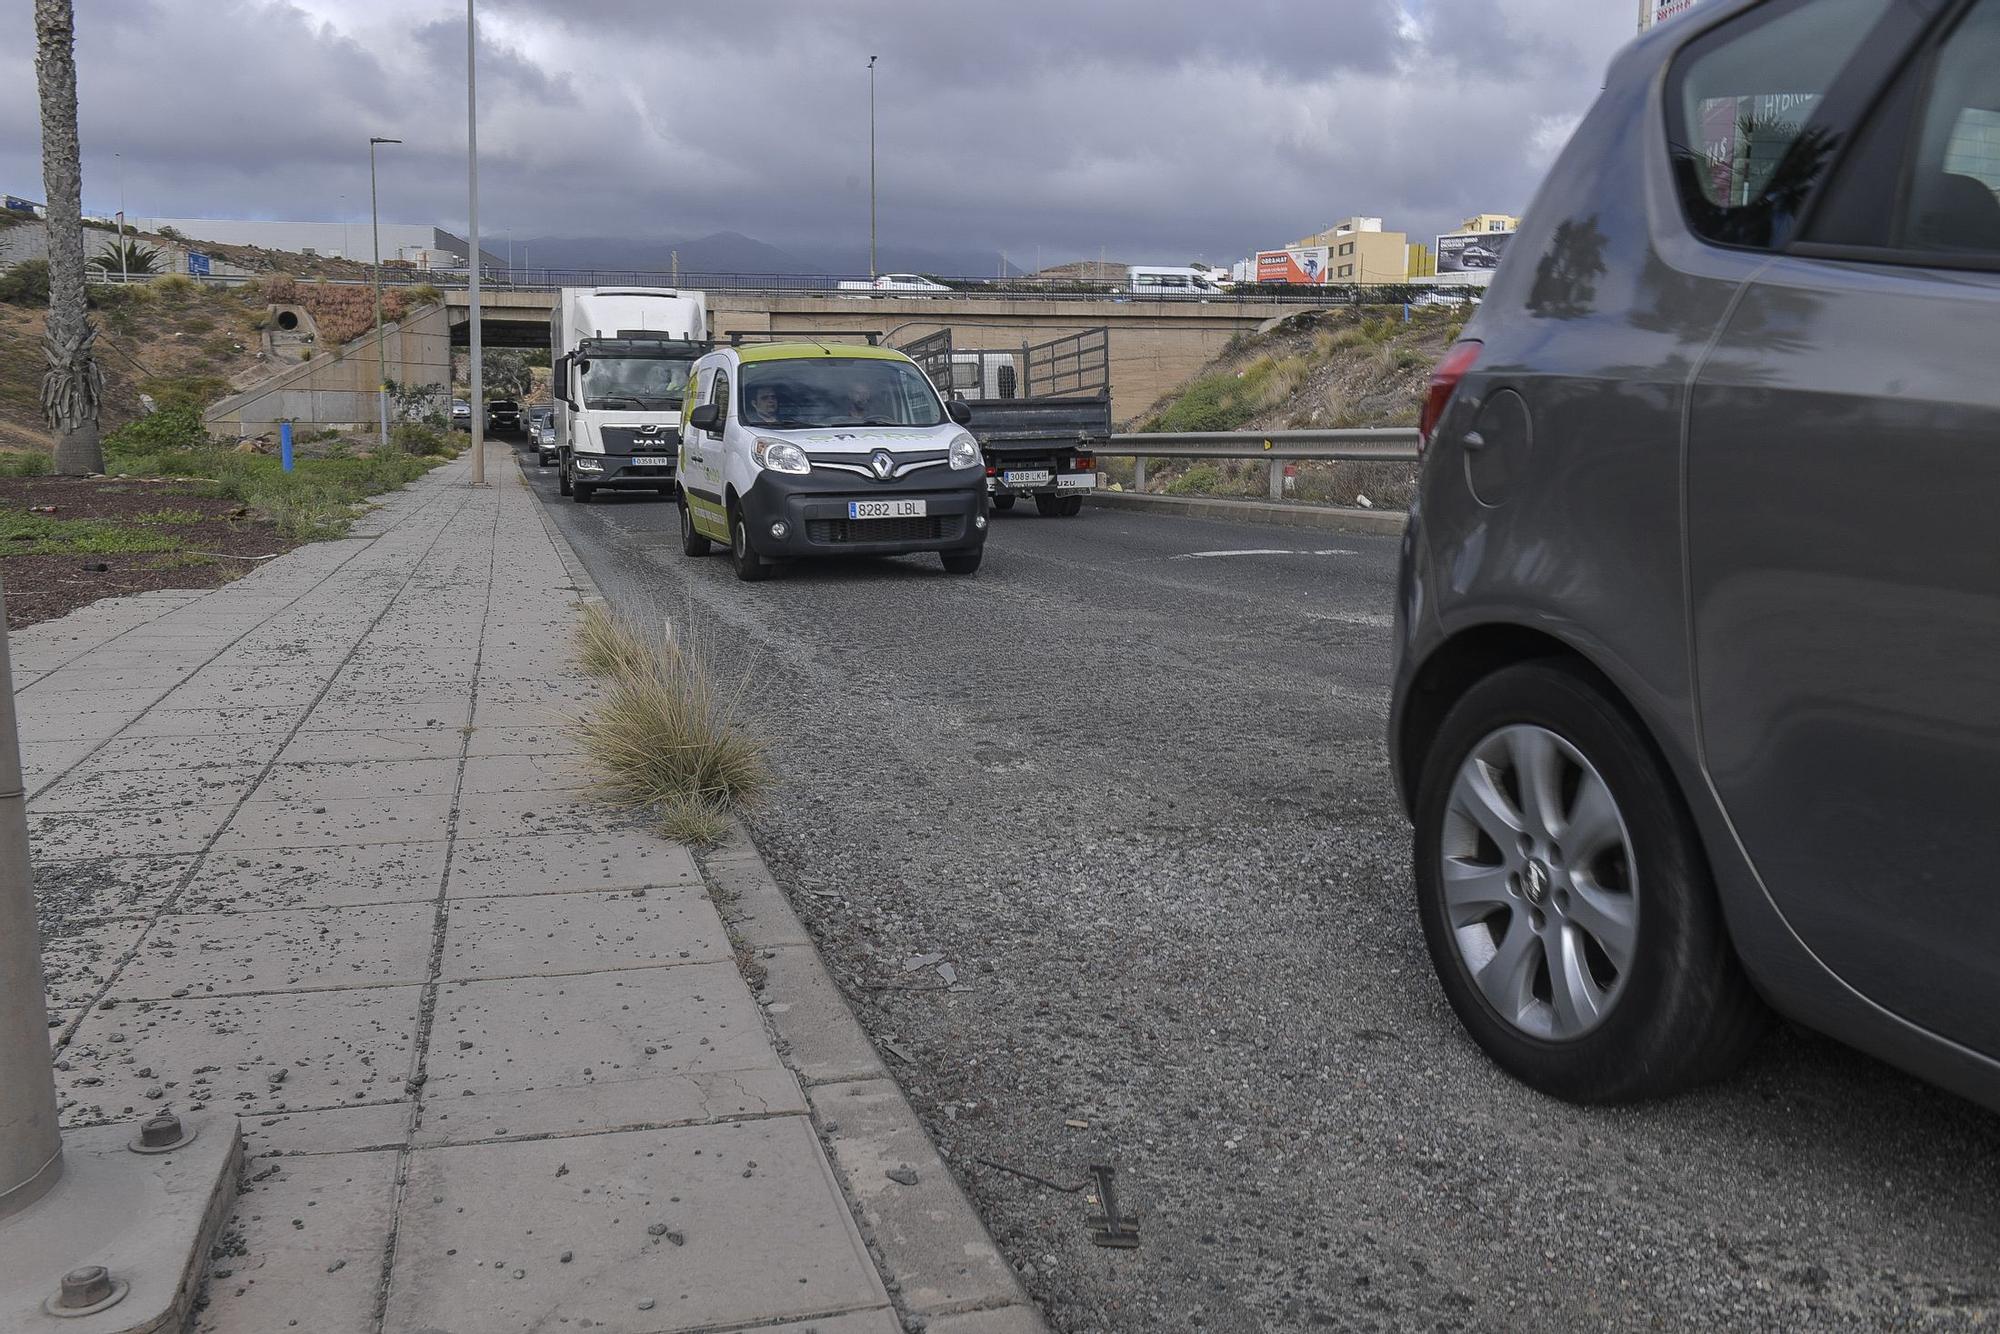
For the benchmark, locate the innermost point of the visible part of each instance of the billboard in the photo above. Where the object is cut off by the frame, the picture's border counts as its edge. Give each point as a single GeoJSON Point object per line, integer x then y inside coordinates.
{"type": "Point", "coordinates": [1305, 265]}
{"type": "Point", "coordinates": [1471, 252]}
{"type": "Point", "coordinates": [1656, 10]}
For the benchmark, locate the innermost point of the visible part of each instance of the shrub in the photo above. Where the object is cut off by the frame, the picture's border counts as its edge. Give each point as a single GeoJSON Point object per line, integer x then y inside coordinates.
{"type": "Point", "coordinates": [174, 284]}
{"type": "Point", "coordinates": [175, 426]}
{"type": "Point", "coordinates": [25, 463]}
{"type": "Point", "coordinates": [1201, 479]}
{"type": "Point", "coordinates": [26, 283]}
{"type": "Point", "coordinates": [425, 294]}
{"type": "Point", "coordinates": [420, 439]}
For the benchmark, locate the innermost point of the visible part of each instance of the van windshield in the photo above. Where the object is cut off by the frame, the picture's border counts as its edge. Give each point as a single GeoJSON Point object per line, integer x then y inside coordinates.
{"type": "Point", "coordinates": [836, 391]}
{"type": "Point", "coordinates": [633, 383]}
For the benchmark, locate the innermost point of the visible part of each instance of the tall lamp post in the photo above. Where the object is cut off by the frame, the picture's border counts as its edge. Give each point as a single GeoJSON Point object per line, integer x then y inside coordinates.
{"type": "Point", "coordinates": [381, 366]}
{"type": "Point", "coordinates": [873, 272]}
{"type": "Point", "coordinates": [472, 240]}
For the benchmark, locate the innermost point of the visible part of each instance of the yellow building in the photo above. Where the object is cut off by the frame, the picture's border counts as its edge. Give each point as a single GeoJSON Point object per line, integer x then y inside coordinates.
{"type": "Point", "coordinates": [1490, 222]}
{"type": "Point", "coordinates": [1359, 251]}
{"type": "Point", "coordinates": [1423, 264]}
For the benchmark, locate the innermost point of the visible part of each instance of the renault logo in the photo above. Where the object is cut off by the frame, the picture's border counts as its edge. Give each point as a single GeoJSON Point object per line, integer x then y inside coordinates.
{"type": "Point", "coordinates": [883, 462]}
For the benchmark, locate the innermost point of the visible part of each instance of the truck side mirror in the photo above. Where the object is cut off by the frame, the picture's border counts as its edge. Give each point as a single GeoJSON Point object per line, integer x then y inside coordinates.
{"type": "Point", "coordinates": [559, 381]}
{"type": "Point", "coordinates": [959, 411]}
{"type": "Point", "coordinates": [706, 417]}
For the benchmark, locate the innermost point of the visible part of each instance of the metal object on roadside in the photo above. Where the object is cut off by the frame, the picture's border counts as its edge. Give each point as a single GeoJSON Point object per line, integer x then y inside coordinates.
{"type": "Point", "coordinates": [86, 1291]}
{"type": "Point", "coordinates": [1387, 444]}
{"type": "Point", "coordinates": [1112, 1227]}
{"type": "Point", "coordinates": [161, 1134]}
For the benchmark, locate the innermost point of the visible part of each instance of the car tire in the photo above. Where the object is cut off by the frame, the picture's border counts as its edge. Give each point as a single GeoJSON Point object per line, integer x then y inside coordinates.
{"type": "Point", "coordinates": [1003, 503]}
{"type": "Point", "coordinates": [1048, 506]}
{"type": "Point", "coordinates": [962, 562]}
{"type": "Point", "coordinates": [665, 490]}
{"type": "Point", "coordinates": [692, 542]}
{"type": "Point", "coordinates": [583, 492]}
{"type": "Point", "coordinates": [750, 567]}
{"type": "Point", "coordinates": [1656, 1000]}
{"type": "Point", "coordinates": [1071, 506]}
{"type": "Point", "coordinates": [563, 481]}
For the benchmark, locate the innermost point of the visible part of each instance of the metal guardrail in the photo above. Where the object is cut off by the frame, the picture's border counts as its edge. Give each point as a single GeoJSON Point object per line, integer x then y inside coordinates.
{"type": "Point", "coordinates": [1389, 444]}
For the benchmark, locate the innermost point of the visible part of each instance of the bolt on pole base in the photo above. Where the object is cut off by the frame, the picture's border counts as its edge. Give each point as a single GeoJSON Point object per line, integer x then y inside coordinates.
{"type": "Point", "coordinates": [119, 1244]}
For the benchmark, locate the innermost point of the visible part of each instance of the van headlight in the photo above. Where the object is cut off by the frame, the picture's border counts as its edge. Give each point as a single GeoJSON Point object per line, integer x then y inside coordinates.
{"type": "Point", "coordinates": [965, 452]}
{"type": "Point", "coordinates": [780, 456]}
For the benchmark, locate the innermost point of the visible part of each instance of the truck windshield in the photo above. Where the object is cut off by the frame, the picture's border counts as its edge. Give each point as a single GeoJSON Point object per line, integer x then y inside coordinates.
{"type": "Point", "coordinates": [628, 383]}
{"type": "Point", "coordinates": [837, 391]}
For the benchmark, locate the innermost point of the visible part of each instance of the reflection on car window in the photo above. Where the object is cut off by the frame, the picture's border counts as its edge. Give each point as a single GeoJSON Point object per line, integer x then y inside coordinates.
{"type": "Point", "coordinates": [1747, 153]}
{"type": "Point", "coordinates": [837, 391]}
{"type": "Point", "coordinates": [628, 382]}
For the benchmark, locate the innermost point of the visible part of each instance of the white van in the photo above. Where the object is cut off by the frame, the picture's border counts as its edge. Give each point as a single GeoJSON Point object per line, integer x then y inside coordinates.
{"type": "Point", "coordinates": [794, 450]}
{"type": "Point", "coordinates": [1163, 280]}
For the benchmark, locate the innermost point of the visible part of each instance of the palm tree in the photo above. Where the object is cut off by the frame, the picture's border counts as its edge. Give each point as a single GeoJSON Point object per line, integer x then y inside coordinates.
{"type": "Point", "coordinates": [73, 384]}
{"type": "Point", "coordinates": [131, 258]}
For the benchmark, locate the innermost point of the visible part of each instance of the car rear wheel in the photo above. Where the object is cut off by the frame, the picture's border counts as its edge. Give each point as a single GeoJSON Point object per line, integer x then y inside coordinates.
{"type": "Point", "coordinates": [1071, 506]}
{"type": "Point", "coordinates": [692, 542]}
{"type": "Point", "coordinates": [1048, 506]}
{"type": "Point", "coordinates": [750, 567]}
{"type": "Point", "coordinates": [962, 562]}
{"type": "Point", "coordinates": [1003, 503]}
{"type": "Point", "coordinates": [1565, 897]}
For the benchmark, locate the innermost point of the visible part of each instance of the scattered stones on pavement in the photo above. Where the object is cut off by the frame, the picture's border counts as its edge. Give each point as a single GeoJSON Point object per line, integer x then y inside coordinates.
{"type": "Point", "coordinates": [902, 1176]}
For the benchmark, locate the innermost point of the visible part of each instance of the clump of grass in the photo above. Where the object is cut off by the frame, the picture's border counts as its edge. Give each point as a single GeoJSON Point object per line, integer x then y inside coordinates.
{"type": "Point", "coordinates": [168, 516]}
{"type": "Point", "coordinates": [668, 736]}
{"type": "Point", "coordinates": [26, 463]}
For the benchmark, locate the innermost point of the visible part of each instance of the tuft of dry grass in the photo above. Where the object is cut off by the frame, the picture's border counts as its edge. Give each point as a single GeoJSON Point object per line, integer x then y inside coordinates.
{"type": "Point", "coordinates": [668, 734]}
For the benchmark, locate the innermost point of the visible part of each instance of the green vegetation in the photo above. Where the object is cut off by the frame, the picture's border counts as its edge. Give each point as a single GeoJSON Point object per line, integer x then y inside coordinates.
{"type": "Point", "coordinates": [666, 735]}
{"type": "Point", "coordinates": [1225, 400]}
{"type": "Point", "coordinates": [425, 294]}
{"type": "Point", "coordinates": [26, 283]}
{"type": "Point", "coordinates": [24, 534]}
{"type": "Point", "coordinates": [421, 438]}
{"type": "Point", "coordinates": [316, 500]}
{"type": "Point", "coordinates": [25, 463]}
{"type": "Point", "coordinates": [131, 257]}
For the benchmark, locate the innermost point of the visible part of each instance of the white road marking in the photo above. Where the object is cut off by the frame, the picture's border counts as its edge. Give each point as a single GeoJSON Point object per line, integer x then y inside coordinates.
{"type": "Point", "coordinates": [1262, 551]}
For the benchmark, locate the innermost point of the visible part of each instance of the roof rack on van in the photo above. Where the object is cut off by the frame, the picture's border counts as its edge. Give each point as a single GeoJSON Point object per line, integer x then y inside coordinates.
{"type": "Point", "coordinates": [737, 337]}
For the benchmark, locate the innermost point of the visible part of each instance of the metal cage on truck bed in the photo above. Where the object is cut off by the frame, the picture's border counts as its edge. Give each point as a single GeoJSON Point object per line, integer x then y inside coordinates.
{"type": "Point", "coordinates": [1036, 394]}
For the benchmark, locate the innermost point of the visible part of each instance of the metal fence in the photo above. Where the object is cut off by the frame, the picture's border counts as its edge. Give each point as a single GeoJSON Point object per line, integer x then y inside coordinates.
{"type": "Point", "coordinates": [828, 286]}
{"type": "Point", "coordinates": [1388, 444]}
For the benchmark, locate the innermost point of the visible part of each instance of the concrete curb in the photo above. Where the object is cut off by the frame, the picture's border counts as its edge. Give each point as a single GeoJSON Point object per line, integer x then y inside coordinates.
{"type": "Point", "coordinates": [1276, 513]}
{"type": "Point", "coordinates": [943, 1270]}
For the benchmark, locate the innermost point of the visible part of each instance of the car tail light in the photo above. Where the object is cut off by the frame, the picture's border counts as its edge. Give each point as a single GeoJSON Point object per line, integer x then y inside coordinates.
{"type": "Point", "coordinates": [1086, 464]}
{"type": "Point", "coordinates": [1444, 383]}
{"type": "Point", "coordinates": [992, 472]}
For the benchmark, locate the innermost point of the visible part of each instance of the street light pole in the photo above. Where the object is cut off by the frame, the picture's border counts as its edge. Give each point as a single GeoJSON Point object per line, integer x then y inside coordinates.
{"type": "Point", "coordinates": [124, 266]}
{"type": "Point", "coordinates": [873, 271]}
{"type": "Point", "coordinates": [472, 241]}
{"type": "Point", "coordinates": [381, 369]}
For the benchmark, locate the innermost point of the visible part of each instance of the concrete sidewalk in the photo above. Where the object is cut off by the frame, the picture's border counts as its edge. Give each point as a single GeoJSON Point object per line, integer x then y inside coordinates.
{"type": "Point", "coordinates": [313, 849]}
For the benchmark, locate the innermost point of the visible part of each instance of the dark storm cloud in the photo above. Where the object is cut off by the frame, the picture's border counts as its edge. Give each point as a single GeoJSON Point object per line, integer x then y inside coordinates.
{"type": "Point", "coordinates": [1160, 130]}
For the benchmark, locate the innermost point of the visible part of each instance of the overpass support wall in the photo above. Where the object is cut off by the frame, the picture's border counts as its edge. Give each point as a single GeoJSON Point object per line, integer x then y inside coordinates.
{"type": "Point", "coordinates": [337, 389]}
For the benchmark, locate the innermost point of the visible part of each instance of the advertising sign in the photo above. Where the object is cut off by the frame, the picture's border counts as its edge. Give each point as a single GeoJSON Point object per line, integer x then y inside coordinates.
{"type": "Point", "coordinates": [1471, 252]}
{"type": "Point", "coordinates": [1665, 9]}
{"type": "Point", "coordinates": [1307, 265]}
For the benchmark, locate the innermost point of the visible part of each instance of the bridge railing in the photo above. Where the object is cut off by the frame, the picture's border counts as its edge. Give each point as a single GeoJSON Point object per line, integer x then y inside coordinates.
{"type": "Point", "coordinates": [1390, 444]}
{"type": "Point", "coordinates": [975, 289]}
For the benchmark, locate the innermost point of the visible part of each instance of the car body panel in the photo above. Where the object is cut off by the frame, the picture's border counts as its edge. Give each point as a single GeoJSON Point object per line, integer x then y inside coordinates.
{"type": "Point", "coordinates": [1617, 328]}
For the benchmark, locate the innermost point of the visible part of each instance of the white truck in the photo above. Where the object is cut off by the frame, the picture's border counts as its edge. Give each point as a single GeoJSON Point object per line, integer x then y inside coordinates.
{"type": "Point", "coordinates": [620, 359]}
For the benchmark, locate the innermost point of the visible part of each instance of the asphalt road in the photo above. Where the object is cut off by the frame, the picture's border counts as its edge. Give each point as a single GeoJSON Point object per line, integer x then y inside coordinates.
{"type": "Point", "coordinates": [1129, 782]}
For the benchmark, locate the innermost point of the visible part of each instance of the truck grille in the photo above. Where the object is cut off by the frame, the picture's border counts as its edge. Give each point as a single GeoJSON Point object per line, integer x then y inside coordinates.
{"type": "Point", "coordinates": [930, 528]}
{"type": "Point", "coordinates": [626, 440]}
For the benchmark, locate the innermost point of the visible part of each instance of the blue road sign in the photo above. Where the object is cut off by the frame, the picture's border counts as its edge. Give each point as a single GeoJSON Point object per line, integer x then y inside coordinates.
{"type": "Point", "coordinates": [198, 264]}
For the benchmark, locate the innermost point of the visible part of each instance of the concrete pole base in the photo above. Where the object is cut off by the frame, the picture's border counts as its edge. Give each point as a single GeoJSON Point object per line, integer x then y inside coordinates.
{"type": "Point", "coordinates": [149, 1218]}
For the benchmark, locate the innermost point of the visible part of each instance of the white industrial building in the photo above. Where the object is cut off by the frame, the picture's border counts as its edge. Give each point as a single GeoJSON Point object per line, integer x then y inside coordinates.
{"type": "Point", "coordinates": [425, 246]}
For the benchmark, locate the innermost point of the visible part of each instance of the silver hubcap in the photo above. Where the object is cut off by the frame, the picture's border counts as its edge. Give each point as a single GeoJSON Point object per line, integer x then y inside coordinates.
{"type": "Point", "coordinates": [1539, 884]}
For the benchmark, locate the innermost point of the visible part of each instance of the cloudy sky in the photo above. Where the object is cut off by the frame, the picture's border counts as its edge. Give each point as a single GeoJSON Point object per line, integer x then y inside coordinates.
{"type": "Point", "coordinates": [1158, 130]}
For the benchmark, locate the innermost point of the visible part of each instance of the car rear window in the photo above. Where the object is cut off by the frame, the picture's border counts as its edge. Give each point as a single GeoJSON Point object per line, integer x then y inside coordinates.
{"type": "Point", "coordinates": [1748, 139]}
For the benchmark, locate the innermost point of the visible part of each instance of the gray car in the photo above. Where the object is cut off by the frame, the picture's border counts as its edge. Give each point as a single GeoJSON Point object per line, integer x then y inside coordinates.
{"type": "Point", "coordinates": [1697, 705]}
